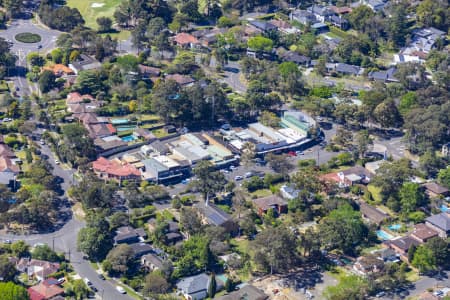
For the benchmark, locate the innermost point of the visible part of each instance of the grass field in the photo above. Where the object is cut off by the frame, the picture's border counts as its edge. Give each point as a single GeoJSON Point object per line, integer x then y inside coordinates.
{"type": "Point", "coordinates": [105, 8]}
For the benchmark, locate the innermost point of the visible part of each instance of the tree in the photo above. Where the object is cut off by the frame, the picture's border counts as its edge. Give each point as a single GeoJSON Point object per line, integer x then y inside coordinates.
{"type": "Point", "coordinates": [20, 248]}
{"type": "Point", "coordinates": [411, 197]}
{"type": "Point", "coordinates": [441, 251]}
{"type": "Point", "coordinates": [208, 180]}
{"type": "Point", "coordinates": [228, 285]}
{"type": "Point", "coordinates": [47, 81]}
{"type": "Point", "coordinates": [94, 240]}
{"type": "Point", "coordinates": [363, 141]}
{"type": "Point", "coordinates": [212, 286]}
{"type": "Point", "coordinates": [390, 177]}
{"type": "Point", "coordinates": [121, 259]}
{"type": "Point", "coordinates": [411, 252]}
{"type": "Point", "coordinates": [269, 119]}
{"type": "Point", "coordinates": [360, 17]}
{"type": "Point", "coordinates": [104, 24]}
{"type": "Point", "coordinates": [349, 287]}
{"type": "Point", "coordinates": [62, 18]}
{"type": "Point", "coordinates": [7, 269]}
{"type": "Point", "coordinates": [387, 114]}
{"type": "Point", "coordinates": [274, 250]}
{"type": "Point", "coordinates": [190, 220]}
{"type": "Point", "coordinates": [11, 291]}
{"type": "Point", "coordinates": [343, 229]}
{"type": "Point", "coordinates": [424, 259]}
{"type": "Point", "coordinates": [155, 284]}
{"type": "Point", "coordinates": [430, 163]}
{"type": "Point", "coordinates": [260, 44]}
{"type": "Point", "coordinates": [444, 177]}
{"type": "Point", "coordinates": [397, 25]}
{"type": "Point", "coordinates": [80, 289]}
{"type": "Point", "coordinates": [44, 252]}
{"type": "Point", "coordinates": [279, 163]}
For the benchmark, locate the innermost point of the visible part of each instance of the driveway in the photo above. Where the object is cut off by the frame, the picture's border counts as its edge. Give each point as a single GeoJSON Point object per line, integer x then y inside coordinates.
{"type": "Point", "coordinates": [232, 77]}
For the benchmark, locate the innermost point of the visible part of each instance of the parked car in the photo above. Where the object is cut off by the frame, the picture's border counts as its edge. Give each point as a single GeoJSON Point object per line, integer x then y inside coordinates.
{"type": "Point", "coordinates": [299, 153]}
{"type": "Point", "coordinates": [101, 276]}
{"type": "Point", "coordinates": [292, 153]}
{"type": "Point", "coordinates": [248, 174]}
{"type": "Point", "coordinates": [121, 290]}
{"type": "Point", "coordinates": [237, 178]}
{"type": "Point", "coordinates": [56, 162]}
{"type": "Point", "coordinates": [87, 281]}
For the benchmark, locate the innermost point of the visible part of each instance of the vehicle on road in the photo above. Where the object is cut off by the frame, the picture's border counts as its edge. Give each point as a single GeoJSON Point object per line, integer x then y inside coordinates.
{"type": "Point", "coordinates": [56, 162]}
{"type": "Point", "coordinates": [87, 281]}
{"type": "Point", "coordinates": [8, 242]}
{"type": "Point", "coordinates": [121, 290]}
{"type": "Point", "coordinates": [299, 153]}
{"type": "Point", "coordinates": [232, 168]}
{"type": "Point", "coordinates": [248, 174]}
{"type": "Point", "coordinates": [380, 294]}
{"type": "Point", "coordinates": [93, 288]}
{"type": "Point", "coordinates": [42, 142]}
{"type": "Point", "coordinates": [61, 280]}
{"type": "Point", "coordinates": [101, 276]}
{"type": "Point", "coordinates": [238, 177]}
{"type": "Point", "coordinates": [292, 153]}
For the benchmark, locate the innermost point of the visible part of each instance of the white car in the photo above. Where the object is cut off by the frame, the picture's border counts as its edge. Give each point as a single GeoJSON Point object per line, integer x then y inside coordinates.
{"type": "Point", "coordinates": [121, 290]}
{"type": "Point", "coordinates": [87, 281]}
{"type": "Point", "coordinates": [56, 162]}
{"type": "Point", "coordinates": [237, 178]}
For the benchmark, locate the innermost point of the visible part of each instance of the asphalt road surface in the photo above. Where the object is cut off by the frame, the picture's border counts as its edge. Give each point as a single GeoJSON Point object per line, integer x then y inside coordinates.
{"type": "Point", "coordinates": [21, 50]}
{"type": "Point", "coordinates": [65, 239]}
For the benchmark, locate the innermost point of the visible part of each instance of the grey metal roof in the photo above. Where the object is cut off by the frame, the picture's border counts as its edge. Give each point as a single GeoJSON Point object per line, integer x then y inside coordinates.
{"type": "Point", "coordinates": [348, 69]}
{"type": "Point", "coordinates": [441, 221]}
{"type": "Point", "coordinates": [194, 284]}
{"type": "Point", "coordinates": [265, 26]}
{"type": "Point", "coordinates": [214, 214]}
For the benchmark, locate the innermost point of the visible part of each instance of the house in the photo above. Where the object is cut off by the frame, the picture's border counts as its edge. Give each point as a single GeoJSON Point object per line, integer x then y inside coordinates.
{"type": "Point", "coordinates": [321, 13]}
{"type": "Point", "coordinates": [263, 26]}
{"type": "Point", "coordinates": [149, 72]}
{"type": "Point", "coordinates": [435, 190]}
{"type": "Point", "coordinates": [428, 296]}
{"type": "Point", "coordinates": [144, 134]}
{"type": "Point", "coordinates": [446, 150]}
{"type": "Point", "coordinates": [289, 192]}
{"type": "Point", "coordinates": [373, 166]}
{"type": "Point", "coordinates": [384, 76]}
{"type": "Point", "coordinates": [173, 237]}
{"type": "Point", "coordinates": [129, 235]}
{"type": "Point", "coordinates": [303, 17]}
{"type": "Point", "coordinates": [423, 233]}
{"type": "Point", "coordinates": [343, 10]}
{"type": "Point", "coordinates": [387, 255]}
{"type": "Point", "coordinates": [284, 27]}
{"type": "Point", "coordinates": [155, 148]}
{"type": "Point", "coordinates": [185, 40]}
{"type": "Point", "coordinates": [196, 287]}
{"type": "Point", "coordinates": [213, 215]}
{"type": "Point", "coordinates": [294, 57]}
{"type": "Point", "coordinates": [401, 245]}
{"type": "Point", "coordinates": [45, 291]}
{"type": "Point", "coordinates": [40, 269]}
{"type": "Point", "coordinates": [140, 249]}
{"type": "Point", "coordinates": [339, 22]}
{"type": "Point", "coordinates": [278, 204]}
{"type": "Point", "coordinates": [245, 292]}
{"type": "Point", "coordinates": [76, 98]}
{"type": "Point", "coordinates": [84, 63]}
{"type": "Point", "coordinates": [348, 69]}
{"type": "Point", "coordinates": [182, 80]}
{"type": "Point", "coordinates": [440, 223]}
{"type": "Point", "coordinates": [375, 5]}
{"type": "Point", "coordinates": [367, 265]}
{"type": "Point", "coordinates": [372, 214]}
{"type": "Point", "coordinates": [115, 170]}
{"type": "Point", "coordinates": [151, 262]}
{"type": "Point", "coordinates": [320, 28]}
{"type": "Point", "coordinates": [59, 70]}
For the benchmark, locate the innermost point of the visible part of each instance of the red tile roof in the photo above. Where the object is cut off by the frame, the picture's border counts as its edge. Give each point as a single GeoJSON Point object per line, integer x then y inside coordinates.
{"type": "Point", "coordinates": [76, 97]}
{"type": "Point", "coordinates": [185, 38]}
{"type": "Point", "coordinates": [111, 128]}
{"type": "Point", "coordinates": [44, 292]}
{"type": "Point", "coordinates": [7, 165]}
{"type": "Point", "coordinates": [114, 168]}
{"type": "Point", "coordinates": [180, 79]}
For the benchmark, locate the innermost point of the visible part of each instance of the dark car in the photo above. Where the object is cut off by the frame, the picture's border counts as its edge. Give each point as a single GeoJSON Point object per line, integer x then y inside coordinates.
{"type": "Point", "coordinates": [101, 276]}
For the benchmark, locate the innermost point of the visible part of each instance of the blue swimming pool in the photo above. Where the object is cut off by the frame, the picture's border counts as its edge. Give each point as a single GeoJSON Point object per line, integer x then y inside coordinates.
{"type": "Point", "coordinates": [125, 128]}
{"type": "Point", "coordinates": [383, 235]}
{"type": "Point", "coordinates": [119, 121]}
{"type": "Point", "coordinates": [395, 227]}
{"type": "Point", "coordinates": [128, 138]}
{"type": "Point", "coordinates": [444, 208]}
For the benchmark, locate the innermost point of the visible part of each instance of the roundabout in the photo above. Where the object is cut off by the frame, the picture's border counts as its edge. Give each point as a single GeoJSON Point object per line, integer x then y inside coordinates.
{"type": "Point", "coordinates": [28, 37]}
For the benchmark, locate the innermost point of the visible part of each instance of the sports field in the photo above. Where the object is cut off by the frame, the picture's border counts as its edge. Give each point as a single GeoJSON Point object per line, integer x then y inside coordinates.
{"type": "Point", "coordinates": [92, 9]}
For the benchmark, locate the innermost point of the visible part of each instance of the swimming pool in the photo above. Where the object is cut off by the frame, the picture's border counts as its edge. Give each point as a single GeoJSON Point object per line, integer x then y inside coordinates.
{"type": "Point", "coordinates": [125, 128]}
{"type": "Point", "coordinates": [395, 227]}
{"type": "Point", "coordinates": [444, 208]}
{"type": "Point", "coordinates": [383, 235]}
{"type": "Point", "coordinates": [128, 138]}
{"type": "Point", "coordinates": [119, 121]}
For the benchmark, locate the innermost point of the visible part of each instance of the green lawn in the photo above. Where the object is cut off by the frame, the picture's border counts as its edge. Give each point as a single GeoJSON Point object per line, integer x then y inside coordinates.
{"type": "Point", "coordinates": [375, 192]}
{"type": "Point", "coordinates": [90, 14]}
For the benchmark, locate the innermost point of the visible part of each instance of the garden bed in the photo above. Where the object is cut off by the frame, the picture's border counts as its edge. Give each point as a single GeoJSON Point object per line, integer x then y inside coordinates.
{"type": "Point", "coordinates": [28, 37]}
